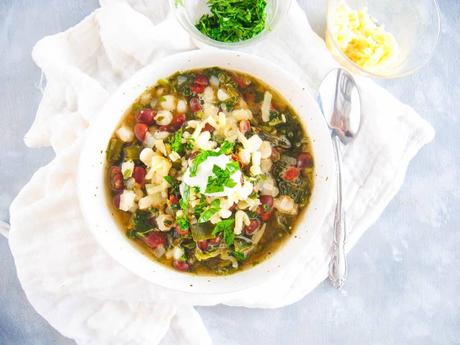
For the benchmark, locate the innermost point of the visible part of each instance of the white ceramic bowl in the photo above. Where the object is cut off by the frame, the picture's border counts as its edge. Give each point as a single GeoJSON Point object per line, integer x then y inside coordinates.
{"type": "Point", "coordinates": [92, 191]}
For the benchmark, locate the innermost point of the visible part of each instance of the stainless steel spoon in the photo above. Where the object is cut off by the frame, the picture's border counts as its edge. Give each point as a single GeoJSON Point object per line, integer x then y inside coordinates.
{"type": "Point", "coordinates": [341, 106]}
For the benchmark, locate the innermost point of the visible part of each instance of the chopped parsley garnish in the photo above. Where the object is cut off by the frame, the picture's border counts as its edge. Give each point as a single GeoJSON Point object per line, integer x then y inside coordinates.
{"type": "Point", "coordinates": [222, 178]}
{"type": "Point", "coordinates": [185, 200]}
{"type": "Point", "coordinates": [200, 207]}
{"type": "Point", "coordinates": [169, 179]}
{"type": "Point", "coordinates": [213, 208]}
{"type": "Point", "coordinates": [190, 143]}
{"type": "Point", "coordinates": [233, 20]}
{"type": "Point", "coordinates": [238, 255]}
{"type": "Point", "coordinates": [176, 142]}
{"type": "Point", "coordinates": [183, 222]}
{"type": "Point", "coordinates": [226, 227]}
{"type": "Point", "coordinates": [225, 148]}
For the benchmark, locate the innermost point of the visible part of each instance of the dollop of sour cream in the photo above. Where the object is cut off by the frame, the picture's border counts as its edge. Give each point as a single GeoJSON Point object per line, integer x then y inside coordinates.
{"type": "Point", "coordinates": [239, 191]}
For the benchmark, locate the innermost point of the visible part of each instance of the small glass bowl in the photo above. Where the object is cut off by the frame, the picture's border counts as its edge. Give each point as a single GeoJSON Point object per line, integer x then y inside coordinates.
{"type": "Point", "coordinates": [415, 24]}
{"type": "Point", "coordinates": [188, 13]}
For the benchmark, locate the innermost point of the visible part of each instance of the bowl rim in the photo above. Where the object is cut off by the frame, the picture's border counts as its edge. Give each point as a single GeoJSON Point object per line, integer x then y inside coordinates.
{"type": "Point", "coordinates": [208, 41]}
{"type": "Point", "coordinates": [92, 194]}
{"type": "Point", "coordinates": [406, 73]}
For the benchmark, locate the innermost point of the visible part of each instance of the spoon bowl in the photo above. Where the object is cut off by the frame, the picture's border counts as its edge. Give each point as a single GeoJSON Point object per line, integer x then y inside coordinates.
{"type": "Point", "coordinates": [340, 103]}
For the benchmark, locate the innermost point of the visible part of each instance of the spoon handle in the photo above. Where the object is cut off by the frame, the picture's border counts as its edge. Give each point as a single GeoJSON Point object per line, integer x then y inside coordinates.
{"type": "Point", "coordinates": [338, 264]}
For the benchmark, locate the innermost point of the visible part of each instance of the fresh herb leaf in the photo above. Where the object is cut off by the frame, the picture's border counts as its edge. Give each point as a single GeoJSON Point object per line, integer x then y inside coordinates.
{"type": "Point", "coordinates": [185, 200]}
{"type": "Point", "coordinates": [229, 104]}
{"type": "Point", "coordinates": [176, 142]}
{"type": "Point", "coordinates": [200, 158]}
{"type": "Point", "coordinates": [238, 255]}
{"type": "Point", "coordinates": [190, 143]}
{"type": "Point", "coordinates": [233, 20]}
{"type": "Point", "coordinates": [226, 227]}
{"type": "Point", "coordinates": [226, 148]}
{"type": "Point", "coordinates": [232, 167]}
{"type": "Point", "coordinates": [183, 222]}
{"type": "Point", "coordinates": [213, 208]}
{"type": "Point", "coordinates": [169, 179]}
{"type": "Point", "coordinates": [222, 178]}
{"type": "Point", "coordinates": [200, 207]}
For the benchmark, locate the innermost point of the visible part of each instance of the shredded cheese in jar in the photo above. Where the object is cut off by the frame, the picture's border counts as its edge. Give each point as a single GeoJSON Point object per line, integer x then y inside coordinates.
{"type": "Point", "coordinates": [361, 39]}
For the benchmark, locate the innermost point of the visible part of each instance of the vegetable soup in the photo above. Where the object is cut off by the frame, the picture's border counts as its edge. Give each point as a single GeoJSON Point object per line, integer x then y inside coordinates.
{"type": "Point", "coordinates": [209, 170]}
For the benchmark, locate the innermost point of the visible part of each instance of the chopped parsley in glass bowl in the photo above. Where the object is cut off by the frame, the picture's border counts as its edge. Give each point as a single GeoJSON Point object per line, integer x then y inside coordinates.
{"type": "Point", "coordinates": [229, 23]}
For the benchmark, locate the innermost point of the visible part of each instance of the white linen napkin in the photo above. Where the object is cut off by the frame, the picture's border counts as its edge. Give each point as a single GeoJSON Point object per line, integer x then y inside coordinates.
{"type": "Point", "coordinates": [73, 283]}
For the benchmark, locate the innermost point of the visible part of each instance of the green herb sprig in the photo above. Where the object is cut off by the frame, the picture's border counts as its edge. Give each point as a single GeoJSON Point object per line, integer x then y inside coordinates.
{"type": "Point", "coordinates": [226, 148]}
{"type": "Point", "coordinates": [222, 178]}
{"type": "Point", "coordinates": [176, 142]}
{"type": "Point", "coordinates": [226, 227]}
{"type": "Point", "coordinates": [213, 208]}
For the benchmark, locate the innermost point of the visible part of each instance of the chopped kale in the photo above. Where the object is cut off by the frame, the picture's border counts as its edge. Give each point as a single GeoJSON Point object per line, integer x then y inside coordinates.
{"type": "Point", "coordinates": [181, 83]}
{"type": "Point", "coordinates": [141, 224]}
{"type": "Point", "coordinates": [298, 190]}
